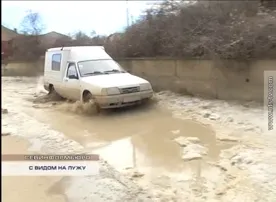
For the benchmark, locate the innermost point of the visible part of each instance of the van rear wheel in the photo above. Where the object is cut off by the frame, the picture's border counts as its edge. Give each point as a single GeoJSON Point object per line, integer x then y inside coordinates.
{"type": "Point", "coordinates": [89, 99]}
{"type": "Point", "coordinates": [51, 89]}
{"type": "Point", "coordinates": [52, 94]}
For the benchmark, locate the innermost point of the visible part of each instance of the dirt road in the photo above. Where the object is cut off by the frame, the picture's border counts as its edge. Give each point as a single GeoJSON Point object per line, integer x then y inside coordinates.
{"type": "Point", "coordinates": [179, 149]}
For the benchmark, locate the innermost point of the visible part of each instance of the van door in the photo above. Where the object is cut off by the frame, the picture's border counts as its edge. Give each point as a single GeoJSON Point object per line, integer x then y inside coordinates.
{"type": "Point", "coordinates": [72, 82]}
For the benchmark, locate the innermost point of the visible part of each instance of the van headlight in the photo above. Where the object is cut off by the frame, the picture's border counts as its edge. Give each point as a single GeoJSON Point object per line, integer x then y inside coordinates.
{"type": "Point", "coordinates": [110, 91]}
{"type": "Point", "coordinates": [145, 86]}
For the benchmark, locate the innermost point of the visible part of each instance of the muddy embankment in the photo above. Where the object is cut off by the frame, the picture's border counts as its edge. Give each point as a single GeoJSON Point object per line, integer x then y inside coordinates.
{"type": "Point", "coordinates": [180, 148]}
{"type": "Point", "coordinates": [222, 79]}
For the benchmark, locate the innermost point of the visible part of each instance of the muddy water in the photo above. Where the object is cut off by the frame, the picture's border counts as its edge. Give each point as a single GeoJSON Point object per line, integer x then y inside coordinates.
{"type": "Point", "coordinates": [141, 137]}
{"type": "Point", "coordinates": [25, 188]}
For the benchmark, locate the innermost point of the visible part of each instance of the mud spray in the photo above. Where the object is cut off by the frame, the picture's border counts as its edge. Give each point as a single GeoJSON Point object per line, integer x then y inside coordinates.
{"type": "Point", "coordinates": [42, 96]}
{"type": "Point", "coordinates": [78, 107]}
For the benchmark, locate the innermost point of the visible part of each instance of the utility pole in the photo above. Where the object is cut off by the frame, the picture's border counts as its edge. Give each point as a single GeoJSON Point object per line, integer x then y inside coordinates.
{"type": "Point", "coordinates": [127, 13]}
{"type": "Point", "coordinates": [132, 20]}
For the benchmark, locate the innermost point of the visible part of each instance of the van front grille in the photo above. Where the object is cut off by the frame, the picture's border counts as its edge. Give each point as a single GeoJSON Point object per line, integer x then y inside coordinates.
{"type": "Point", "coordinates": [130, 90]}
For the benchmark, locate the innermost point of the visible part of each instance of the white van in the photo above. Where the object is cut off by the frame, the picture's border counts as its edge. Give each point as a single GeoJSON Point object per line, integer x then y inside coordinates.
{"type": "Point", "coordinates": [88, 73]}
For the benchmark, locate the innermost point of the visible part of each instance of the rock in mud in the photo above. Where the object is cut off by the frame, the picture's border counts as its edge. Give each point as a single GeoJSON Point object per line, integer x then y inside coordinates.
{"type": "Point", "coordinates": [137, 174]}
{"type": "Point", "coordinates": [4, 111]}
{"type": "Point", "coordinates": [230, 119]}
{"type": "Point", "coordinates": [185, 141]}
{"type": "Point", "coordinates": [210, 115]}
{"type": "Point", "coordinates": [194, 140]}
{"type": "Point", "coordinates": [133, 173]}
{"type": "Point", "coordinates": [223, 165]}
{"type": "Point", "coordinates": [193, 152]}
{"type": "Point", "coordinates": [242, 159]}
{"type": "Point", "coordinates": [196, 148]}
{"type": "Point", "coordinates": [189, 156]}
{"type": "Point", "coordinates": [182, 141]}
{"type": "Point", "coordinates": [36, 106]}
{"type": "Point", "coordinates": [220, 191]}
{"type": "Point", "coordinates": [214, 117]}
{"type": "Point", "coordinates": [227, 138]}
{"type": "Point", "coordinates": [175, 131]}
{"type": "Point", "coordinates": [206, 115]}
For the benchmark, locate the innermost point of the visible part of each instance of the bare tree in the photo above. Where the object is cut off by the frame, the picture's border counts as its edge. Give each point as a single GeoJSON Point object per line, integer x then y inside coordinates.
{"type": "Point", "coordinates": [32, 24]}
{"type": "Point", "coordinates": [81, 36]}
{"type": "Point", "coordinates": [93, 33]}
{"type": "Point", "coordinates": [201, 29]}
{"type": "Point", "coordinates": [27, 46]}
{"type": "Point", "coordinates": [81, 39]}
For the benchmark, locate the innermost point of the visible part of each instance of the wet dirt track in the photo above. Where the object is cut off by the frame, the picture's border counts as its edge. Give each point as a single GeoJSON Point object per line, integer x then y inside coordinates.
{"type": "Point", "coordinates": [141, 143]}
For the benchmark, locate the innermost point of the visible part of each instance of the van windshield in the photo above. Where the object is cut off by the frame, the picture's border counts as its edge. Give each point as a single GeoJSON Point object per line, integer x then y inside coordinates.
{"type": "Point", "coordinates": [97, 67]}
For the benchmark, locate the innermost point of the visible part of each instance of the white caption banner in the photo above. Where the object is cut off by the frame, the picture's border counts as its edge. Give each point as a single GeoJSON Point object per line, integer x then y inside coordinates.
{"type": "Point", "coordinates": [50, 168]}
{"type": "Point", "coordinates": [270, 102]}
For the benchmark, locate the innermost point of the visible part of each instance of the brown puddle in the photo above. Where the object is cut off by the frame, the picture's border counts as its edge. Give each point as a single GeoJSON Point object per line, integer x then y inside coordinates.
{"type": "Point", "coordinates": [137, 137]}
{"type": "Point", "coordinates": [26, 188]}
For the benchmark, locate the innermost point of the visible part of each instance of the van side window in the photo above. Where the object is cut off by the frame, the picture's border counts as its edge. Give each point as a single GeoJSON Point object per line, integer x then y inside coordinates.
{"type": "Point", "coordinates": [56, 62]}
{"type": "Point", "coordinates": [72, 71]}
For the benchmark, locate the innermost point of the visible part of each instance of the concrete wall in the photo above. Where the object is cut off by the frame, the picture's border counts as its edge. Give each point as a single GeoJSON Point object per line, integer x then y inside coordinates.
{"type": "Point", "coordinates": [229, 80]}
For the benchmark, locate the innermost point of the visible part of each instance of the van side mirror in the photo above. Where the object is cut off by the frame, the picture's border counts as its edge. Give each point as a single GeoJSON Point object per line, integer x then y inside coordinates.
{"type": "Point", "coordinates": [73, 77]}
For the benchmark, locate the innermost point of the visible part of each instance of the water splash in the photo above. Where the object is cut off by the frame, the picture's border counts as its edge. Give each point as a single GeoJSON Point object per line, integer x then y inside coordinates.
{"type": "Point", "coordinates": [39, 90]}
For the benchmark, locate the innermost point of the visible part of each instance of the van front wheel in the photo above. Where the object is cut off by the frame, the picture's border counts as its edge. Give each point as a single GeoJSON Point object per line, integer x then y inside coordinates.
{"type": "Point", "coordinates": [88, 98]}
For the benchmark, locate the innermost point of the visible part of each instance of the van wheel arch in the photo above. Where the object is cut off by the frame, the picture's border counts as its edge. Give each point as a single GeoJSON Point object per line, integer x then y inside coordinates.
{"type": "Point", "coordinates": [86, 96]}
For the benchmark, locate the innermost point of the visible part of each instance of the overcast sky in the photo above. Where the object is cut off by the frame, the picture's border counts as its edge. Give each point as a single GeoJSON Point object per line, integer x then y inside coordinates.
{"type": "Point", "coordinates": [105, 17]}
